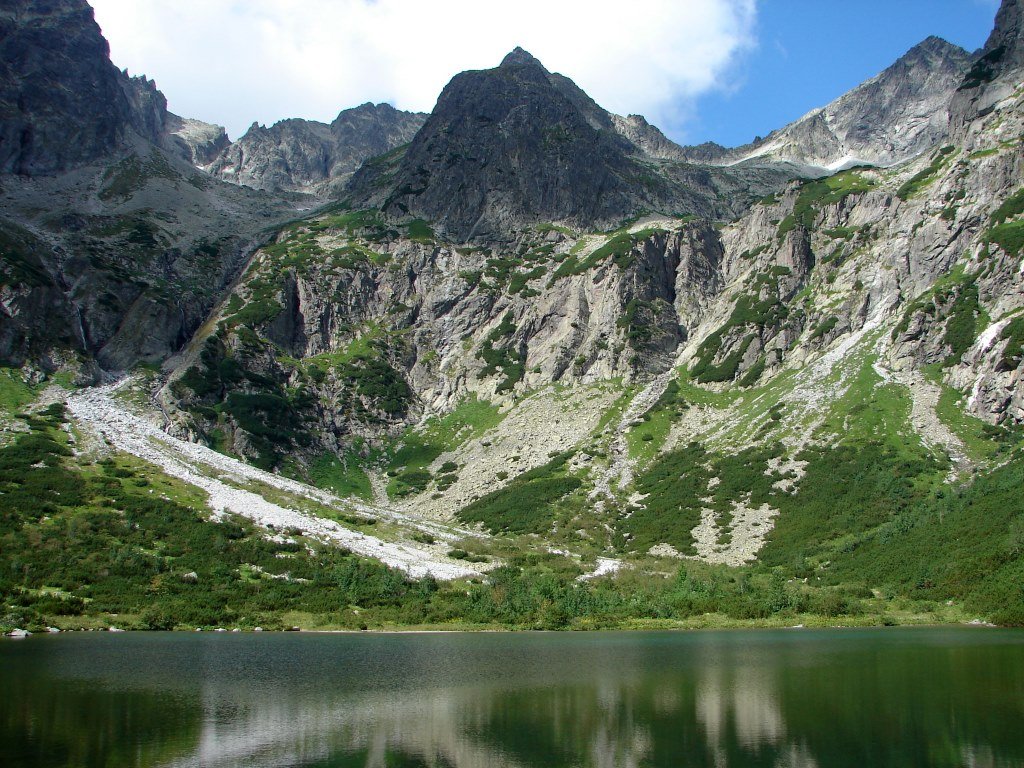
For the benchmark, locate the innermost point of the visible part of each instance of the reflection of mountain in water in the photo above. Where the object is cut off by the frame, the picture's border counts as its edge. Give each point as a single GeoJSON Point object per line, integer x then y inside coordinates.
{"type": "Point", "coordinates": [796, 700]}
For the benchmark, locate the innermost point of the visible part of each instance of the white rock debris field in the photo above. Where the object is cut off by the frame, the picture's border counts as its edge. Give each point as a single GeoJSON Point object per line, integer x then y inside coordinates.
{"type": "Point", "coordinates": [97, 410]}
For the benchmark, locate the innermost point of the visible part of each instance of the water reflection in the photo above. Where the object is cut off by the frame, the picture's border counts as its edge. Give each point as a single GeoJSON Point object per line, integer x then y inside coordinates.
{"type": "Point", "coordinates": [932, 697]}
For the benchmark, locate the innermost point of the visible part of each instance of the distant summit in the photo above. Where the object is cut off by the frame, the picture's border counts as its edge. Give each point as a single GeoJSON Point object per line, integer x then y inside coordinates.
{"type": "Point", "coordinates": [308, 156]}
{"type": "Point", "coordinates": [519, 57]}
{"type": "Point", "coordinates": [518, 144]}
{"type": "Point", "coordinates": [892, 117]}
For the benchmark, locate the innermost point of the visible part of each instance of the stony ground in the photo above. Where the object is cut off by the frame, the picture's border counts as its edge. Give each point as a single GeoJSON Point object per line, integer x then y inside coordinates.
{"type": "Point", "coordinates": [228, 482]}
{"type": "Point", "coordinates": [540, 426]}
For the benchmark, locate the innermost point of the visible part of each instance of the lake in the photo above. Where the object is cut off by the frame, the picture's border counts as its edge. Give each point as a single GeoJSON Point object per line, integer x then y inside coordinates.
{"type": "Point", "coordinates": [798, 698]}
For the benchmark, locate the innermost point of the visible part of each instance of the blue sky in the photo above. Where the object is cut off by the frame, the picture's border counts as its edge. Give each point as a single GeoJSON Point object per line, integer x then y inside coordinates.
{"type": "Point", "coordinates": [718, 70]}
{"type": "Point", "coordinates": [808, 52]}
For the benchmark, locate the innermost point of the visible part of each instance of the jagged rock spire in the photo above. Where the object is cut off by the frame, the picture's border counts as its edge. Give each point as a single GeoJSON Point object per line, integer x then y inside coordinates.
{"type": "Point", "coordinates": [1008, 34]}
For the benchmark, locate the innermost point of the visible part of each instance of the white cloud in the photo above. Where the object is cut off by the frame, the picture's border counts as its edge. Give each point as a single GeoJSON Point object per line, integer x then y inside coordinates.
{"type": "Point", "coordinates": [239, 61]}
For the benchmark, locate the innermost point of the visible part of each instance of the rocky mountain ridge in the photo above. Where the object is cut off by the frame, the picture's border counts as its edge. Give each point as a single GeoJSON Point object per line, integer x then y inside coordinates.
{"type": "Point", "coordinates": [115, 247]}
{"type": "Point", "coordinates": [536, 322]}
{"type": "Point", "coordinates": [359, 325]}
{"type": "Point", "coordinates": [518, 145]}
{"type": "Point", "coordinates": [889, 119]}
{"type": "Point", "coordinates": [310, 157]}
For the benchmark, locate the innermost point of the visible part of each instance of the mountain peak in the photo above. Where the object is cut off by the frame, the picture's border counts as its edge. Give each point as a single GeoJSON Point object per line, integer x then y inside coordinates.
{"type": "Point", "coordinates": [510, 146]}
{"type": "Point", "coordinates": [935, 44]}
{"type": "Point", "coordinates": [520, 57]}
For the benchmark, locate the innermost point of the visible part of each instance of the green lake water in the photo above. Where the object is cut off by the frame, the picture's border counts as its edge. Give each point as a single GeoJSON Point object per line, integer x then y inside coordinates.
{"type": "Point", "coordinates": [800, 698]}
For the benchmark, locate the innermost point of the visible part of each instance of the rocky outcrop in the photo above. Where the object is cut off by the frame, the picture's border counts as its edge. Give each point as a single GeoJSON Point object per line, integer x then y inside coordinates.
{"type": "Point", "coordinates": [197, 142]}
{"type": "Point", "coordinates": [62, 102]}
{"type": "Point", "coordinates": [995, 73]}
{"type": "Point", "coordinates": [886, 120]}
{"type": "Point", "coordinates": [517, 145]}
{"type": "Point", "coordinates": [1007, 39]}
{"type": "Point", "coordinates": [114, 247]}
{"type": "Point", "coordinates": [648, 139]}
{"type": "Point", "coordinates": [510, 143]}
{"type": "Point", "coordinates": [311, 157]}
{"type": "Point", "coordinates": [446, 321]}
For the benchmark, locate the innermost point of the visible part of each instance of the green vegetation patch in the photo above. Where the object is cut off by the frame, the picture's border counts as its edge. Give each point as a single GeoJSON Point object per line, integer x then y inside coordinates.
{"type": "Point", "coordinates": [873, 412]}
{"type": "Point", "coordinates": [847, 490]}
{"type": "Point", "coordinates": [1012, 207]}
{"type": "Point", "coordinates": [1008, 236]}
{"type": "Point", "coordinates": [750, 312]}
{"type": "Point", "coordinates": [678, 487]}
{"type": "Point", "coordinates": [525, 504]}
{"type": "Point", "coordinates": [342, 475]}
{"type": "Point", "coordinates": [420, 232]}
{"type": "Point", "coordinates": [1013, 335]}
{"type": "Point", "coordinates": [815, 195]}
{"type": "Point", "coordinates": [924, 178]}
{"type": "Point", "coordinates": [272, 421]}
{"type": "Point", "coordinates": [501, 356]}
{"type": "Point", "coordinates": [410, 481]}
{"type": "Point", "coordinates": [377, 386]}
{"type": "Point", "coordinates": [618, 248]}
{"type": "Point", "coordinates": [954, 298]}
{"type": "Point", "coordinates": [825, 327]}
{"type": "Point", "coordinates": [119, 543]}
{"type": "Point", "coordinates": [420, 446]}
{"type": "Point", "coordinates": [981, 440]}
{"type": "Point", "coordinates": [15, 393]}
{"type": "Point", "coordinates": [645, 439]}
{"type": "Point", "coordinates": [365, 224]}
{"type": "Point", "coordinates": [962, 322]}
{"type": "Point", "coordinates": [963, 544]}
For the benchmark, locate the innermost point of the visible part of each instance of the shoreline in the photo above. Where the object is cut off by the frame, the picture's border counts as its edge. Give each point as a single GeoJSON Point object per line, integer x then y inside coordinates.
{"type": "Point", "coordinates": [808, 624]}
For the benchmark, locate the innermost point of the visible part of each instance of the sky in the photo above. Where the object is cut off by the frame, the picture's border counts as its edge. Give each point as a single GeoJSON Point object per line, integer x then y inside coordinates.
{"type": "Point", "coordinates": [701, 70]}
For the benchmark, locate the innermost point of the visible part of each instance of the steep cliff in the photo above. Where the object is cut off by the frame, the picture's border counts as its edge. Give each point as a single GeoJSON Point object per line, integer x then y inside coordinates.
{"type": "Point", "coordinates": [61, 100]}
{"type": "Point", "coordinates": [114, 246]}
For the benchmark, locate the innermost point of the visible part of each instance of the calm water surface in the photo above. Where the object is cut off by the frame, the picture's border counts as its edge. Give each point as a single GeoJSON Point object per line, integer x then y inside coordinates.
{"type": "Point", "coordinates": [894, 697]}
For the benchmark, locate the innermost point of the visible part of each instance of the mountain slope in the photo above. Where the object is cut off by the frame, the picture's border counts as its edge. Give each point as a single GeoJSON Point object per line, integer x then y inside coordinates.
{"type": "Point", "coordinates": [114, 246]}
{"type": "Point", "coordinates": [518, 145]}
{"type": "Point", "coordinates": [886, 120]}
{"type": "Point", "coordinates": [306, 156]}
{"type": "Point", "coordinates": [804, 403]}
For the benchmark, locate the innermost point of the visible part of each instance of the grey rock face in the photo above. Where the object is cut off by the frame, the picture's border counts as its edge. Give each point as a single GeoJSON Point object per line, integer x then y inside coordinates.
{"type": "Point", "coordinates": [312, 157]}
{"type": "Point", "coordinates": [198, 142]}
{"type": "Point", "coordinates": [120, 260]}
{"type": "Point", "coordinates": [444, 320]}
{"type": "Point", "coordinates": [63, 104]}
{"type": "Point", "coordinates": [517, 145]}
{"type": "Point", "coordinates": [61, 100]}
{"type": "Point", "coordinates": [505, 143]}
{"type": "Point", "coordinates": [886, 120]}
{"type": "Point", "coordinates": [1007, 37]}
{"type": "Point", "coordinates": [112, 245]}
{"type": "Point", "coordinates": [647, 138]}
{"type": "Point", "coordinates": [996, 72]}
